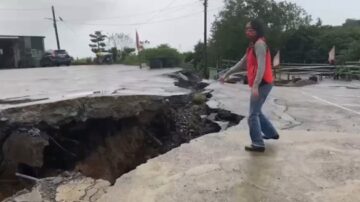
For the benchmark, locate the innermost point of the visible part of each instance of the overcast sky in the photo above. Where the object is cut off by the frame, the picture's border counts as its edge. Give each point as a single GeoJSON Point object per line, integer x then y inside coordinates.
{"type": "Point", "coordinates": [175, 22]}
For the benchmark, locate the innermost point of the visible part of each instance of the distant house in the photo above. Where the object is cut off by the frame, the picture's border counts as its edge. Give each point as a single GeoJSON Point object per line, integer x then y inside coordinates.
{"type": "Point", "coordinates": [21, 51]}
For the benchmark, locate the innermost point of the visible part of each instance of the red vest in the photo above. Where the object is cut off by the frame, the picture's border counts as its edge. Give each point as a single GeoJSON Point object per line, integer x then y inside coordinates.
{"type": "Point", "coordinates": [252, 66]}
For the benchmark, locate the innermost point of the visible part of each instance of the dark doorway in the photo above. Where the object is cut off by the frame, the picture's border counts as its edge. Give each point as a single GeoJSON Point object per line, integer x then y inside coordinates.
{"type": "Point", "coordinates": [7, 59]}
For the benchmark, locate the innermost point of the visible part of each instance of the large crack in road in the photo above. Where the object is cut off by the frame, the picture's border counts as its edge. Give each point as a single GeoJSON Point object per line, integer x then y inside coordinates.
{"type": "Point", "coordinates": [101, 137]}
{"type": "Point", "coordinates": [285, 116]}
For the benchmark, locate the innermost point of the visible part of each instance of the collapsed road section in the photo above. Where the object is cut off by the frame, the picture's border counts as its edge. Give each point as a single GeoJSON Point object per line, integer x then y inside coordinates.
{"type": "Point", "coordinates": [101, 137]}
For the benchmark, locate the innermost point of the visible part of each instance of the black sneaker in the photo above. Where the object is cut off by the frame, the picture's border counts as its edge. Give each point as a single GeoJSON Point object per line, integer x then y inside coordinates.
{"type": "Point", "coordinates": [276, 137]}
{"type": "Point", "coordinates": [254, 149]}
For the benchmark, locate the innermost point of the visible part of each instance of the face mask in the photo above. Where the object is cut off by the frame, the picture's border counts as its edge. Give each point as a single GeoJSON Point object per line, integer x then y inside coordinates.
{"type": "Point", "coordinates": [250, 34]}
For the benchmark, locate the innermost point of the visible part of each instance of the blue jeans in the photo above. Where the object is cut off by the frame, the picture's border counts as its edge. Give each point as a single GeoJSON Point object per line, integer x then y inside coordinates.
{"type": "Point", "coordinates": [257, 121]}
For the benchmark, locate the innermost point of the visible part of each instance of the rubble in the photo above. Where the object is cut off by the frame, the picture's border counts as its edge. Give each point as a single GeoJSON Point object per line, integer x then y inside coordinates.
{"type": "Point", "coordinates": [297, 82]}
{"type": "Point", "coordinates": [65, 187]}
{"type": "Point", "coordinates": [101, 137]}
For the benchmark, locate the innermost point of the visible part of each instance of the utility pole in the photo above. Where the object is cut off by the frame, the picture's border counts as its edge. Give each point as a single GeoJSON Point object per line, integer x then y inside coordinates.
{"type": "Point", "coordinates": [55, 27]}
{"type": "Point", "coordinates": [205, 38]}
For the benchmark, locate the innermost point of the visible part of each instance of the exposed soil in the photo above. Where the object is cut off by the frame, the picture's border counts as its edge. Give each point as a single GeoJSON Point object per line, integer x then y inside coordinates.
{"type": "Point", "coordinates": [101, 137]}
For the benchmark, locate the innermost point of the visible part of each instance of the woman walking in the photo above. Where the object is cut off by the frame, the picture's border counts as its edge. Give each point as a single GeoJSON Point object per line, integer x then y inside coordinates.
{"type": "Point", "coordinates": [257, 62]}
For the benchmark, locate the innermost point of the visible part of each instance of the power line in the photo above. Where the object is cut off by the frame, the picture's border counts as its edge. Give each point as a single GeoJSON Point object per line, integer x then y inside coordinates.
{"type": "Point", "coordinates": [157, 13]}
{"type": "Point", "coordinates": [69, 28]}
{"type": "Point", "coordinates": [144, 23]}
{"type": "Point", "coordinates": [23, 9]}
{"type": "Point", "coordinates": [115, 24]}
{"type": "Point", "coordinates": [140, 14]}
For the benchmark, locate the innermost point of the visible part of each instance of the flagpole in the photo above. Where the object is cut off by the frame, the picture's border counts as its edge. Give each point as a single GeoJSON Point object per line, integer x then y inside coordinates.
{"type": "Point", "coordinates": [138, 48]}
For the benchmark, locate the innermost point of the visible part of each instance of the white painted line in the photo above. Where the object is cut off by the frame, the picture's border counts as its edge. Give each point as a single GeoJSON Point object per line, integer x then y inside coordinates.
{"type": "Point", "coordinates": [346, 96]}
{"type": "Point", "coordinates": [331, 103]}
{"type": "Point", "coordinates": [351, 105]}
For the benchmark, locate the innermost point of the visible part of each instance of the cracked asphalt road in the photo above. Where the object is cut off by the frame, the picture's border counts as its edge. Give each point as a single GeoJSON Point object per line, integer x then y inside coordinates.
{"type": "Point", "coordinates": [316, 158]}
{"type": "Point", "coordinates": [21, 87]}
{"type": "Point", "coordinates": [329, 106]}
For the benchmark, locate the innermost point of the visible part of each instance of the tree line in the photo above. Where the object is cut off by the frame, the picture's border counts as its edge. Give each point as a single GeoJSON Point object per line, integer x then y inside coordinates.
{"type": "Point", "coordinates": [289, 28]}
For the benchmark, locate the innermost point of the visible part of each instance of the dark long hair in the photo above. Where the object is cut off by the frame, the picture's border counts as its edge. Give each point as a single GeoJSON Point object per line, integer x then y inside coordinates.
{"type": "Point", "coordinates": [259, 27]}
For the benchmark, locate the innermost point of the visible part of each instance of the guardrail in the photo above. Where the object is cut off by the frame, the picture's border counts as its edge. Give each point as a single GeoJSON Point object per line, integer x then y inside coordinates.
{"type": "Point", "coordinates": [297, 70]}
{"type": "Point", "coordinates": [349, 71]}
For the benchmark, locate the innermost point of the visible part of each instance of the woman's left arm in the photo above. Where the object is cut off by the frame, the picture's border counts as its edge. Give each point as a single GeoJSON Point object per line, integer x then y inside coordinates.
{"type": "Point", "coordinates": [260, 51]}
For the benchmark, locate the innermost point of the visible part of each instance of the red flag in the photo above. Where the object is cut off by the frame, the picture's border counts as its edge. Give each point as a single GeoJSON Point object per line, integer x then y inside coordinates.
{"type": "Point", "coordinates": [138, 43]}
{"type": "Point", "coordinates": [276, 61]}
{"type": "Point", "coordinates": [332, 54]}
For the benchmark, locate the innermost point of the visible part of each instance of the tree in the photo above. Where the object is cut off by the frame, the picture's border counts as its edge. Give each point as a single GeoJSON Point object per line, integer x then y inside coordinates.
{"type": "Point", "coordinates": [300, 46]}
{"type": "Point", "coordinates": [126, 52]}
{"type": "Point", "coordinates": [115, 53]}
{"type": "Point", "coordinates": [120, 41]}
{"type": "Point", "coordinates": [351, 23]}
{"type": "Point", "coordinates": [318, 23]}
{"type": "Point", "coordinates": [120, 44]}
{"type": "Point", "coordinates": [161, 56]}
{"type": "Point", "coordinates": [98, 44]}
{"type": "Point", "coordinates": [346, 40]}
{"type": "Point", "coordinates": [311, 44]}
{"type": "Point", "coordinates": [198, 55]}
{"type": "Point", "coordinates": [289, 29]}
{"type": "Point", "coordinates": [228, 38]}
{"type": "Point", "coordinates": [188, 57]}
